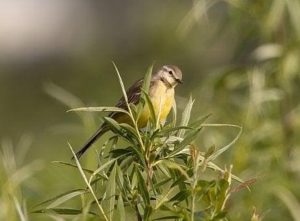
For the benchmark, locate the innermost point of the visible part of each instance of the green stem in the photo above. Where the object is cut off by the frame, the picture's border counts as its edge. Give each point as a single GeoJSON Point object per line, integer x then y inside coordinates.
{"type": "Point", "coordinates": [193, 206]}
{"type": "Point", "coordinates": [195, 178]}
{"type": "Point", "coordinates": [136, 128]}
{"type": "Point", "coordinates": [88, 184]}
{"type": "Point", "coordinates": [138, 215]}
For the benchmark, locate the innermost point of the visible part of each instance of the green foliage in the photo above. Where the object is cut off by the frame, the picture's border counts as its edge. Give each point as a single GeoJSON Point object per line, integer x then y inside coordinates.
{"type": "Point", "coordinates": [241, 61]}
{"type": "Point", "coordinates": [159, 173]}
{"type": "Point", "coordinates": [262, 92]}
{"type": "Point", "coordinates": [13, 178]}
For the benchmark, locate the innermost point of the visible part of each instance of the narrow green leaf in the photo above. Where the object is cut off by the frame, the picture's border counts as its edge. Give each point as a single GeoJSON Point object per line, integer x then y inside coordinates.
{"type": "Point", "coordinates": [147, 212]}
{"type": "Point", "coordinates": [139, 154]}
{"type": "Point", "coordinates": [134, 179]}
{"type": "Point", "coordinates": [115, 153]}
{"type": "Point", "coordinates": [175, 217]}
{"type": "Point", "coordinates": [72, 165]}
{"type": "Point", "coordinates": [164, 198]}
{"type": "Point", "coordinates": [151, 107]}
{"type": "Point", "coordinates": [135, 110]}
{"type": "Point", "coordinates": [22, 214]}
{"type": "Point", "coordinates": [167, 130]}
{"type": "Point", "coordinates": [129, 129]}
{"type": "Point", "coordinates": [115, 127]}
{"type": "Point", "coordinates": [186, 116]}
{"type": "Point", "coordinates": [179, 181]}
{"type": "Point", "coordinates": [145, 90]}
{"type": "Point", "coordinates": [98, 109]}
{"type": "Point", "coordinates": [220, 215]}
{"type": "Point", "coordinates": [109, 144]}
{"type": "Point", "coordinates": [181, 196]}
{"type": "Point", "coordinates": [121, 84]}
{"type": "Point", "coordinates": [293, 8]}
{"type": "Point", "coordinates": [61, 198]}
{"type": "Point", "coordinates": [121, 209]}
{"type": "Point", "coordinates": [97, 171]}
{"type": "Point", "coordinates": [62, 211]}
{"type": "Point", "coordinates": [85, 210]}
{"type": "Point", "coordinates": [223, 149]}
{"type": "Point", "coordinates": [197, 123]}
{"type": "Point", "coordinates": [143, 188]}
{"type": "Point", "coordinates": [186, 141]}
{"type": "Point", "coordinates": [65, 198]}
{"type": "Point", "coordinates": [120, 177]}
{"type": "Point", "coordinates": [210, 151]}
{"type": "Point", "coordinates": [147, 80]}
{"type": "Point", "coordinates": [163, 182]}
{"type": "Point", "coordinates": [111, 192]}
{"type": "Point", "coordinates": [289, 199]}
{"type": "Point", "coordinates": [119, 129]}
{"type": "Point", "coordinates": [275, 14]}
{"type": "Point", "coordinates": [63, 96]}
{"type": "Point", "coordinates": [174, 115]}
{"type": "Point", "coordinates": [163, 170]}
{"type": "Point", "coordinates": [173, 165]}
{"type": "Point", "coordinates": [95, 181]}
{"type": "Point", "coordinates": [69, 100]}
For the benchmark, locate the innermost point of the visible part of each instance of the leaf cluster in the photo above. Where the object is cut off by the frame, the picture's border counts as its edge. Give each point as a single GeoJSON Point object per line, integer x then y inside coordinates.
{"type": "Point", "coordinates": [158, 173]}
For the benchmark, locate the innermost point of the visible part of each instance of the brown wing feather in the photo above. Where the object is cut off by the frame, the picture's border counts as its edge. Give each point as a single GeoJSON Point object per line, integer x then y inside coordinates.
{"type": "Point", "coordinates": [133, 95]}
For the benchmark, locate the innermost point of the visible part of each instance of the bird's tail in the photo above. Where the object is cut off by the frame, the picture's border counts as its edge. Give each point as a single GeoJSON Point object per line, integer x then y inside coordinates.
{"type": "Point", "coordinates": [96, 135]}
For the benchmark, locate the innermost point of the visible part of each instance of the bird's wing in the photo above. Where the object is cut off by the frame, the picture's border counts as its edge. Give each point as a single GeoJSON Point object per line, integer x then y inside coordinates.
{"type": "Point", "coordinates": [133, 95]}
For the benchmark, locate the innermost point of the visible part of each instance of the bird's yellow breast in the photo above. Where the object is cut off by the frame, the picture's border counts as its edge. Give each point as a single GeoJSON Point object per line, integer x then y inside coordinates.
{"type": "Point", "coordinates": [162, 99]}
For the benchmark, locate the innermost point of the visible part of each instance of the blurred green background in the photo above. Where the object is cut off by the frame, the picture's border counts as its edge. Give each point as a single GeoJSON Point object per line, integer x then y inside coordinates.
{"type": "Point", "coordinates": [240, 60]}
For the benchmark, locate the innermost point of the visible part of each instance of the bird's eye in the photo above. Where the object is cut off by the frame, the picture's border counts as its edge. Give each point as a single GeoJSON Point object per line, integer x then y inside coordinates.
{"type": "Point", "coordinates": [170, 72]}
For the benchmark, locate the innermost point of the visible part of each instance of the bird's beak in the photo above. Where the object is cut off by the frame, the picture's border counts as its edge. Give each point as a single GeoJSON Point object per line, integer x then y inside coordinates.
{"type": "Point", "coordinates": [179, 81]}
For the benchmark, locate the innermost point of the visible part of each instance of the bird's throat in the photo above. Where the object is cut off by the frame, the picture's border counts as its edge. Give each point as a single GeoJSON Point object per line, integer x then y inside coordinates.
{"type": "Point", "coordinates": [166, 83]}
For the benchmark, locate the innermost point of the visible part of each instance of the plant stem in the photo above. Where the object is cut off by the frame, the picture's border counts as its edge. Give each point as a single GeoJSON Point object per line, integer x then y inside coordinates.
{"type": "Point", "coordinates": [195, 179]}
{"type": "Point", "coordinates": [193, 206]}
{"type": "Point", "coordinates": [138, 215]}
{"type": "Point", "coordinates": [87, 183]}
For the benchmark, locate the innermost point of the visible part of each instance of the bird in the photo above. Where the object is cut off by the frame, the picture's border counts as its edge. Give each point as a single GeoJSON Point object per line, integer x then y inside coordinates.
{"type": "Point", "coordinates": [161, 93]}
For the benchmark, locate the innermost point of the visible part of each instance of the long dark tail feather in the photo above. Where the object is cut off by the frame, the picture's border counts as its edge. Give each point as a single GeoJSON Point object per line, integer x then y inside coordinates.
{"type": "Point", "coordinates": [92, 139]}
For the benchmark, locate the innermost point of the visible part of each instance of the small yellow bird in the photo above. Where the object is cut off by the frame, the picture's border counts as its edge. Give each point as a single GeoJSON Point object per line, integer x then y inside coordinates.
{"type": "Point", "coordinates": [161, 93]}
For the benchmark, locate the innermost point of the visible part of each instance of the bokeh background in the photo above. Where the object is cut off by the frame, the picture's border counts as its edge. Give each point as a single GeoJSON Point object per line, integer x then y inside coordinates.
{"type": "Point", "coordinates": [240, 59]}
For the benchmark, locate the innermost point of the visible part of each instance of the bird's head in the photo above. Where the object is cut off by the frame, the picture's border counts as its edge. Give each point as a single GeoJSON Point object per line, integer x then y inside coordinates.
{"type": "Point", "coordinates": [171, 75]}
